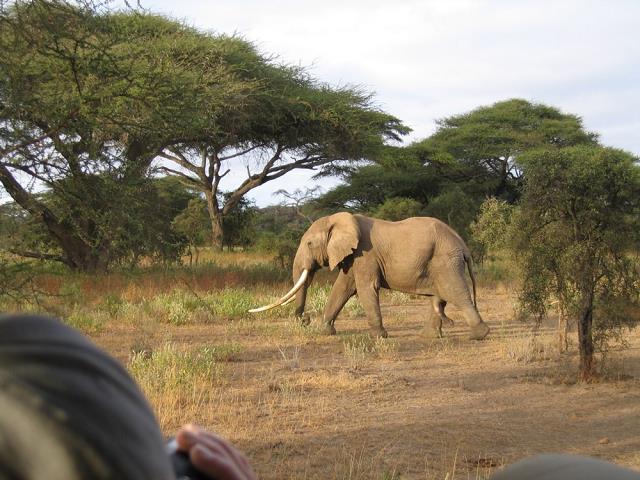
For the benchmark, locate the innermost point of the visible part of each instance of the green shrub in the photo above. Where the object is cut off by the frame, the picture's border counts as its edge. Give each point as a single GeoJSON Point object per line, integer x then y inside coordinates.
{"type": "Point", "coordinates": [177, 307]}
{"type": "Point", "coordinates": [86, 321]}
{"type": "Point", "coordinates": [231, 302]}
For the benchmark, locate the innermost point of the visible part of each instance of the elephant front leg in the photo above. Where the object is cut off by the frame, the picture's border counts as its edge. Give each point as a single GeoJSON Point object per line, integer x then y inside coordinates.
{"type": "Point", "coordinates": [370, 300]}
{"type": "Point", "coordinates": [343, 289]}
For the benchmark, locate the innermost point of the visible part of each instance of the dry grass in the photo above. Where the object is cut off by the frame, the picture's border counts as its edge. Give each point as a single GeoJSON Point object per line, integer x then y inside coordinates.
{"type": "Point", "coordinates": [305, 406]}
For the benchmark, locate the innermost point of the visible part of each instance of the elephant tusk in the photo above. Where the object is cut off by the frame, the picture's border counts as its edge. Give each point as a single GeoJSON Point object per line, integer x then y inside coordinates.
{"type": "Point", "coordinates": [293, 297]}
{"type": "Point", "coordinates": [288, 296]}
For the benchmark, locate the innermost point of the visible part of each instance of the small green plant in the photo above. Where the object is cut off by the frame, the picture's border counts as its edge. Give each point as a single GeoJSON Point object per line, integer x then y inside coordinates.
{"type": "Point", "coordinates": [360, 347]}
{"type": "Point", "coordinates": [317, 298]}
{"type": "Point", "coordinates": [386, 348]}
{"type": "Point", "coordinates": [294, 326]}
{"type": "Point", "coordinates": [71, 292]}
{"type": "Point", "coordinates": [179, 382]}
{"type": "Point", "coordinates": [112, 304]}
{"type": "Point", "coordinates": [354, 307]}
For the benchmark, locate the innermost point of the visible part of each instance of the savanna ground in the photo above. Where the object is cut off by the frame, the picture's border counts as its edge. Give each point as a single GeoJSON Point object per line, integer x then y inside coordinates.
{"type": "Point", "coordinates": [303, 405]}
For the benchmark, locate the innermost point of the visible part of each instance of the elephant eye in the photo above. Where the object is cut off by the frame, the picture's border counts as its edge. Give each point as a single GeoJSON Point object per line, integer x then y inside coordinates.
{"type": "Point", "coordinates": [309, 243]}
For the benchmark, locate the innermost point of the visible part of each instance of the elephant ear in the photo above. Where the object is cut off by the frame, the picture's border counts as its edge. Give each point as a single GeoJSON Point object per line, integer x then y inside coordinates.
{"type": "Point", "coordinates": [344, 235]}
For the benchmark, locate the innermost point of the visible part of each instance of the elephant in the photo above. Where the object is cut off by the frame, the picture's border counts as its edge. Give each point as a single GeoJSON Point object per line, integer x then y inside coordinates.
{"type": "Point", "coordinates": [419, 255]}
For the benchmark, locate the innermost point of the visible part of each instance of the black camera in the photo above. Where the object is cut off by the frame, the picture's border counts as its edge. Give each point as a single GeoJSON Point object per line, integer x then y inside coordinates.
{"type": "Point", "coordinates": [182, 466]}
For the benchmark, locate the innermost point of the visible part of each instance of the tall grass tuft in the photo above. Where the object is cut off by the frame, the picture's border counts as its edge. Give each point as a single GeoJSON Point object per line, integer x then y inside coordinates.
{"type": "Point", "coordinates": [360, 348]}
{"type": "Point", "coordinates": [180, 383]}
{"type": "Point", "coordinates": [529, 347]}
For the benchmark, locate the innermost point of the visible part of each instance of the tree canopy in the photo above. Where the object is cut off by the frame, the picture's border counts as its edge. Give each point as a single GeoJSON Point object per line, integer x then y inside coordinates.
{"type": "Point", "coordinates": [484, 144]}
{"type": "Point", "coordinates": [89, 97]}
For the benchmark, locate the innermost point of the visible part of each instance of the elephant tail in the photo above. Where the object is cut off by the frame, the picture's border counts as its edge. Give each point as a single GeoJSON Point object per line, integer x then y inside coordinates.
{"type": "Point", "coordinates": [469, 260]}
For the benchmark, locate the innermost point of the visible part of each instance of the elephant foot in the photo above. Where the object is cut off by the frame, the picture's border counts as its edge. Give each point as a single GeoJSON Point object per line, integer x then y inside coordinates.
{"type": "Point", "coordinates": [305, 320]}
{"type": "Point", "coordinates": [432, 332]}
{"type": "Point", "coordinates": [329, 329]}
{"type": "Point", "coordinates": [378, 332]}
{"type": "Point", "coordinates": [479, 331]}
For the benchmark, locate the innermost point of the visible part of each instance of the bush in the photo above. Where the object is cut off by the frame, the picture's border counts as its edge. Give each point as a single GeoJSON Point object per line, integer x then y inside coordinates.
{"type": "Point", "coordinates": [398, 208]}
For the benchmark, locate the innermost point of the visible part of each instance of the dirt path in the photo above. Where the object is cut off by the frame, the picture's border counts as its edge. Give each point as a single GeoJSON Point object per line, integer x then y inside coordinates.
{"type": "Point", "coordinates": [302, 406]}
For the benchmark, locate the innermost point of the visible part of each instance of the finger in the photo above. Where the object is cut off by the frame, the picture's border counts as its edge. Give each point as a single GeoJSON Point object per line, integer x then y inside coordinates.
{"type": "Point", "coordinates": [187, 437]}
{"type": "Point", "coordinates": [223, 452]}
{"type": "Point", "coordinates": [215, 463]}
{"type": "Point", "coordinates": [217, 443]}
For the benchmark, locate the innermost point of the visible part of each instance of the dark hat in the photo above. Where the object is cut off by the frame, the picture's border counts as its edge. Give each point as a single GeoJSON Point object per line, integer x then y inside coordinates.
{"type": "Point", "coordinates": [69, 411]}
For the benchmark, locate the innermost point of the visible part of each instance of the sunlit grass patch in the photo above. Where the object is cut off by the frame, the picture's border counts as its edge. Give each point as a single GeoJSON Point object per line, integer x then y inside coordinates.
{"type": "Point", "coordinates": [318, 296]}
{"type": "Point", "coordinates": [232, 302]}
{"type": "Point", "coordinates": [354, 307]}
{"type": "Point", "coordinates": [171, 367]}
{"type": "Point", "coordinates": [395, 297]}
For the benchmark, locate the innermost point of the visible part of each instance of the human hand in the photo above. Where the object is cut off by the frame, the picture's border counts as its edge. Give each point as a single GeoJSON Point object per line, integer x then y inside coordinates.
{"type": "Point", "coordinates": [213, 455]}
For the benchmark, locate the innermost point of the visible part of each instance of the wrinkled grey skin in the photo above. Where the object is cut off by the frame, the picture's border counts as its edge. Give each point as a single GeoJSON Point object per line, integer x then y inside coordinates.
{"type": "Point", "coordinates": [420, 255]}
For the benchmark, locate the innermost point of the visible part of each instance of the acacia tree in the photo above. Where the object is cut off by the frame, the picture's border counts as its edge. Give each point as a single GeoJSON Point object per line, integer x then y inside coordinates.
{"type": "Point", "coordinates": [88, 97]}
{"type": "Point", "coordinates": [483, 146]}
{"type": "Point", "coordinates": [576, 238]}
{"type": "Point", "coordinates": [289, 121]}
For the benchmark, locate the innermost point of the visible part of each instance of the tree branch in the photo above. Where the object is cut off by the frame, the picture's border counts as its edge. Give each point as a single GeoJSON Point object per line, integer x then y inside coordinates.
{"type": "Point", "coordinates": [252, 182]}
{"type": "Point", "coordinates": [193, 181]}
{"type": "Point", "coordinates": [40, 256]}
{"type": "Point", "coordinates": [182, 161]}
{"type": "Point", "coordinates": [244, 152]}
{"type": "Point", "coordinates": [6, 151]}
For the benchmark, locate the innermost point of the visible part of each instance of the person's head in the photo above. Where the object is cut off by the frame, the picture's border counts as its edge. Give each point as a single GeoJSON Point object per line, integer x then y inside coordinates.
{"type": "Point", "coordinates": [68, 411]}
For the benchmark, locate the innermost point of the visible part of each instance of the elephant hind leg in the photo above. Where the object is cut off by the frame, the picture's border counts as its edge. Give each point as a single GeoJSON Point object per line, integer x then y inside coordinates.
{"type": "Point", "coordinates": [478, 328]}
{"type": "Point", "coordinates": [438, 307]}
{"type": "Point", "coordinates": [453, 288]}
{"type": "Point", "coordinates": [433, 326]}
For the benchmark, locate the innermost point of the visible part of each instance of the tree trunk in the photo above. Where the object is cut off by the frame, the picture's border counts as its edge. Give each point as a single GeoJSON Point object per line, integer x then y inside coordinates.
{"type": "Point", "coordinates": [563, 331]}
{"type": "Point", "coordinates": [217, 231]}
{"type": "Point", "coordinates": [76, 253]}
{"type": "Point", "coordinates": [585, 338]}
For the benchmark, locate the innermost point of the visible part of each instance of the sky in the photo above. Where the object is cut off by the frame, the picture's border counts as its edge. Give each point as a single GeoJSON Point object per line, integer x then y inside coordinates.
{"type": "Point", "coordinates": [429, 59]}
